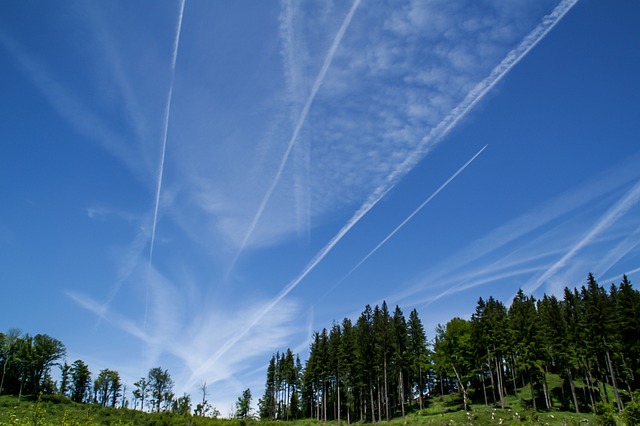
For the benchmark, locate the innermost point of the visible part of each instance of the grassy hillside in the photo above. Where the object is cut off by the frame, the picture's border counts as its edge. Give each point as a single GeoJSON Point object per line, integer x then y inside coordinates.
{"type": "Point", "coordinates": [440, 411]}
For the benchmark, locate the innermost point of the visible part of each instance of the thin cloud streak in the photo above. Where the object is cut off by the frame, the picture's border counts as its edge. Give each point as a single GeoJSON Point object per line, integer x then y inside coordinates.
{"type": "Point", "coordinates": [612, 215]}
{"type": "Point", "coordinates": [404, 222]}
{"type": "Point", "coordinates": [165, 129]}
{"type": "Point", "coordinates": [617, 253]}
{"type": "Point", "coordinates": [294, 137]}
{"type": "Point", "coordinates": [436, 135]}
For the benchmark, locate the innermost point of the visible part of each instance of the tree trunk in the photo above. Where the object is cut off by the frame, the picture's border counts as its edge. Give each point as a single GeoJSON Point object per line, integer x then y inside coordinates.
{"type": "Point", "coordinates": [464, 391]}
{"type": "Point", "coordinates": [373, 410]}
{"type": "Point", "coordinates": [324, 401]}
{"type": "Point", "coordinates": [4, 370]}
{"type": "Point", "coordinates": [533, 395]}
{"type": "Point", "coordinates": [386, 393]}
{"type": "Point", "coordinates": [573, 390]}
{"type": "Point", "coordinates": [379, 401]}
{"type": "Point", "coordinates": [484, 388]}
{"type": "Point", "coordinates": [545, 391]}
{"type": "Point", "coordinates": [401, 393]}
{"type": "Point", "coordinates": [500, 383]}
{"type": "Point", "coordinates": [613, 382]}
{"type": "Point", "coordinates": [493, 385]}
{"type": "Point", "coordinates": [548, 394]}
{"type": "Point", "coordinates": [513, 377]}
{"type": "Point", "coordinates": [420, 384]}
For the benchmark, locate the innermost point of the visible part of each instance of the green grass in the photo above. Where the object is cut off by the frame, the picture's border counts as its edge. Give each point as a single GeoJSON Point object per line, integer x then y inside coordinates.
{"type": "Point", "coordinates": [438, 411]}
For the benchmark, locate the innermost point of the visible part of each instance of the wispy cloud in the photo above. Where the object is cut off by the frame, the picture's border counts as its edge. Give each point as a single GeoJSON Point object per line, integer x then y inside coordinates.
{"type": "Point", "coordinates": [68, 105]}
{"type": "Point", "coordinates": [427, 143]}
{"type": "Point", "coordinates": [539, 246]}
{"type": "Point", "coordinates": [618, 210]}
{"type": "Point", "coordinates": [296, 131]}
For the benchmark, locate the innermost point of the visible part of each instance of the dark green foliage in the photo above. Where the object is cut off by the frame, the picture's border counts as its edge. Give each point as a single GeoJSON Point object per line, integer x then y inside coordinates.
{"type": "Point", "coordinates": [160, 387]}
{"type": "Point", "coordinates": [80, 382]}
{"type": "Point", "coordinates": [580, 353]}
{"type": "Point", "coordinates": [243, 405]}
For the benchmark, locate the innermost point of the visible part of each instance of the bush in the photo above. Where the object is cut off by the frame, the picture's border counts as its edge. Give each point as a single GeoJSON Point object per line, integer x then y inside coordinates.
{"type": "Point", "coordinates": [631, 413]}
{"type": "Point", "coordinates": [606, 414]}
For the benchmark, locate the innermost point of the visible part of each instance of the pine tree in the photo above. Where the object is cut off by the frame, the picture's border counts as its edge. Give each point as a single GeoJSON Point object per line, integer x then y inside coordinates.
{"type": "Point", "coordinates": [418, 354]}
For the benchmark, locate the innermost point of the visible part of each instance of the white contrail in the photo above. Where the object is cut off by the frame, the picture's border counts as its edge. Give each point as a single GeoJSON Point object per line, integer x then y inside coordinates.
{"type": "Point", "coordinates": [301, 119]}
{"type": "Point", "coordinates": [165, 129]}
{"type": "Point", "coordinates": [404, 222]}
{"type": "Point", "coordinates": [613, 214]}
{"type": "Point", "coordinates": [434, 136]}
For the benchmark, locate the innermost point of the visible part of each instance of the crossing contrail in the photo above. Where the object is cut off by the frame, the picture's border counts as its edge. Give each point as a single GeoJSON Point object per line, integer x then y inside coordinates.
{"type": "Point", "coordinates": [165, 129]}
{"type": "Point", "coordinates": [424, 147]}
{"type": "Point", "coordinates": [612, 215]}
{"type": "Point", "coordinates": [301, 119]}
{"type": "Point", "coordinates": [404, 222]}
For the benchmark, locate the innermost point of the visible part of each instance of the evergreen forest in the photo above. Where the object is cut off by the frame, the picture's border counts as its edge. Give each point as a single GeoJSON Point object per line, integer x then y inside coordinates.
{"type": "Point", "coordinates": [578, 355]}
{"type": "Point", "coordinates": [382, 366]}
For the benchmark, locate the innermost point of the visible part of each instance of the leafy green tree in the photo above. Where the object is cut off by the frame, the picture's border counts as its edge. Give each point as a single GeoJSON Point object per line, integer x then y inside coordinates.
{"type": "Point", "coordinates": [65, 378]}
{"type": "Point", "coordinates": [7, 350]}
{"type": "Point", "coordinates": [46, 351]}
{"type": "Point", "coordinates": [400, 356]}
{"type": "Point", "coordinates": [8, 345]}
{"type": "Point", "coordinates": [106, 387]}
{"type": "Point", "coordinates": [267, 404]}
{"type": "Point", "coordinates": [161, 387]}
{"type": "Point", "coordinates": [141, 391]}
{"type": "Point", "coordinates": [383, 335]}
{"type": "Point", "coordinates": [454, 352]}
{"type": "Point", "coordinates": [182, 405]}
{"type": "Point", "coordinates": [600, 329]}
{"type": "Point", "coordinates": [243, 405]}
{"type": "Point", "coordinates": [418, 353]}
{"type": "Point", "coordinates": [628, 318]}
{"type": "Point", "coordinates": [80, 382]}
{"type": "Point", "coordinates": [523, 326]}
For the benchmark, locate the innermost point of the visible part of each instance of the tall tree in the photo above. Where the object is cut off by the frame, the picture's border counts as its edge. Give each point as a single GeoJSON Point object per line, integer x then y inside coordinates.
{"type": "Point", "coordinates": [7, 350]}
{"type": "Point", "coordinates": [600, 330]}
{"type": "Point", "coordinates": [141, 391]}
{"type": "Point", "coordinates": [418, 353]}
{"type": "Point", "coordinates": [160, 386]}
{"type": "Point", "coordinates": [243, 405]}
{"type": "Point", "coordinates": [454, 352]}
{"type": "Point", "coordinates": [80, 382]}
{"type": "Point", "coordinates": [523, 326]}
{"type": "Point", "coordinates": [383, 334]}
{"type": "Point", "coordinates": [46, 351]}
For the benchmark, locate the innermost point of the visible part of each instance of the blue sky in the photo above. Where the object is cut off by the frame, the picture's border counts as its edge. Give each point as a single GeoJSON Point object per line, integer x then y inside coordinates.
{"type": "Point", "coordinates": [197, 185]}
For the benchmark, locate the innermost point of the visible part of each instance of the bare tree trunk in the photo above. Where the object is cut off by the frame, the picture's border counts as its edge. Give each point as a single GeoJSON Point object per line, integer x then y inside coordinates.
{"type": "Point", "coordinates": [500, 383]}
{"type": "Point", "coordinates": [493, 385]}
{"type": "Point", "coordinates": [545, 391]}
{"type": "Point", "coordinates": [513, 377]}
{"type": "Point", "coordinates": [533, 395]}
{"type": "Point", "coordinates": [324, 401]}
{"type": "Point", "coordinates": [464, 390]}
{"type": "Point", "coordinates": [573, 390]}
{"type": "Point", "coordinates": [339, 407]}
{"type": "Point", "coordinates": [379, 401]}
{"type": "Point", "coordinates": [373, 410]}
{"type": "Point", "coordinates": [420, 384]}
{"type": "Point", "coordinates": [484, 388]}
{"type": "Point", "coordinates": [401, 393]}
{"type": "Point", "coordinates": [613, 382]}
{"type": "Point", "coordinates": [386, 393]}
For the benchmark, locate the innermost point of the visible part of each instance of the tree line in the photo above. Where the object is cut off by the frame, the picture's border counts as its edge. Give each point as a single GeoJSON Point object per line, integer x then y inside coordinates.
{"type": "Point", "coordinates": [383, 364]}
{"type": "Point", "coordinates": [26, 370]}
